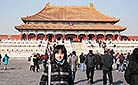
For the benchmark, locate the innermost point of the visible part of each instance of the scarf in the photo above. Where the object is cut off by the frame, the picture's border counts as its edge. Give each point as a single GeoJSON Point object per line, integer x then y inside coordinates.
{"type": "Point", "coordinates": [60, 62]}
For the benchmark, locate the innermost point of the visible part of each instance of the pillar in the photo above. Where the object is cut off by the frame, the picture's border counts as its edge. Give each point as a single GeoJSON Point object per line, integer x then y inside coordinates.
{"type": "Point", "coordinates": [20, 38]}
{"type": "Point", "coordinates": [54, 38]}
{"type": "Point", "coordinates": [95, 36]}
{"type": "Point", "coordinates": [64, 37]}
{"type": "Point", "coordinates": [77, 39]}
{"type": "Point", "coordinates": [113, 38]}
{"type": "Point", "coordinates": [45, 38]}
{"type": "Point", "coordinates": [36, 37]}
{"type": "Point", "coordinates": [27, 36]}
{"type": "Point", "coordinates": [86, 38]}
{"type": "Point", "coordinates": [104, 37]}
{"type": "Point", "coordinates": [119, 37]}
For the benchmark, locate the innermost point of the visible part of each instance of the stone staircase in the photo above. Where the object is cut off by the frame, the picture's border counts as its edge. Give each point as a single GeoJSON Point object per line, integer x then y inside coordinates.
{"type": "Point", "coordinates": [79, 48]}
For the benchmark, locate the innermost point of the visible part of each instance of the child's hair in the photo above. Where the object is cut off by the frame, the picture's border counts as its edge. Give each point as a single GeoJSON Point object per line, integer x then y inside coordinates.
{"type": "Point", "coordinates": [63, 50]}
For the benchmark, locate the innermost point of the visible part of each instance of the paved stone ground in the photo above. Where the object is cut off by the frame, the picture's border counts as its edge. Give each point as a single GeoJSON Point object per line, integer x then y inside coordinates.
{"type": "Point", "coordinates": [18, 74]}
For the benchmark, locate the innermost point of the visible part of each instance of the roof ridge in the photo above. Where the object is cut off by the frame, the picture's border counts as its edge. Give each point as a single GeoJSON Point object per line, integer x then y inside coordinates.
{"type": "Point", "coordinates": [64, 13]}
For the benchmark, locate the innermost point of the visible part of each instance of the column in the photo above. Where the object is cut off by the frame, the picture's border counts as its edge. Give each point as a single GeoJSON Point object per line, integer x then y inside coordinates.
{"type": "Point", "coordinates": [27, 36]}
{"type": "Point", "coordinates": [64, 37]}
{"type": "Point", "coordinates": [86, 38]}
{"type": "Point", "coordinates": [95, 37]}
{"type": "Point", "coordinates": [20, 38]}
{"type": "Point", "coordinates": [36, 36]}
{"type": "Point", "coordinates": [113, 38]}
{"type": "Point", "coordinates": [119, 37]}
{"type": "Point", "coordinates": [54, 38]}
{"type": "Point", "coordinates": [77, 38]}
{"type": "Point", "coordinates": [104, 37]}
{"type": "Point", "coordinates": [44, 37]}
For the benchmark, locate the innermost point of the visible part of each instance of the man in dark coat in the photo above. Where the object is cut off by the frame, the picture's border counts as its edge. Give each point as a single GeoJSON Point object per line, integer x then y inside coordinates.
{"type": "Point", "coordinates": [90, 65]}
{"type": "Point", "coordinates": [131, 73]}
{"type": "Point", "coordinates": [82, 60]}
{"type": "Point", "coordinates": [107, 61]}
{"type": "Point", "coordinates": [0, 59]}
{"type": "Point", "coordinates": [98, 61]}
{"type": "Point", "coordinates": [36, 63]}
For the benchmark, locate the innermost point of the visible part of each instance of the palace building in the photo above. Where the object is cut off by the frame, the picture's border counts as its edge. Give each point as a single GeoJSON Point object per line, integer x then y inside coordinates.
{"type": "Point", "coordinates": [73, 23]}
{"type": "Point", "coordinates": [79, 28]}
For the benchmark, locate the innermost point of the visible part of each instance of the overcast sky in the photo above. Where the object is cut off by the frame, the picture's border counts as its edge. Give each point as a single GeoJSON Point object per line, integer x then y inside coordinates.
{"type": "Point", "coordinates": [11, 12]}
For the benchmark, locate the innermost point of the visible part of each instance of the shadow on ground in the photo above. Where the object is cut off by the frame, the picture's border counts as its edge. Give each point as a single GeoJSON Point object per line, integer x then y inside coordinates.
{"type": "Point", "coordinates": [11, 68]}
{"type": "Point", "coordinates": [80, 81]}
{"type": "Point", "coordinates": [119, 82]}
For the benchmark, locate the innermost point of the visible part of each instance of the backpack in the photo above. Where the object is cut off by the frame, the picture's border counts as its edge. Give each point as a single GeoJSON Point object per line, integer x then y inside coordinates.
{"type": "Point", "coordinates": [3, 59]}
{"type": "Point", "coordinates": [29, 58]}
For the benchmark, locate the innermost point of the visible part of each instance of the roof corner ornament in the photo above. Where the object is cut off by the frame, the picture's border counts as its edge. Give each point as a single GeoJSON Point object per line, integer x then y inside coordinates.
{"type": "Point", "coordinates": [48, 4]}
{"type": "Point", "coordinates": [91, 4]}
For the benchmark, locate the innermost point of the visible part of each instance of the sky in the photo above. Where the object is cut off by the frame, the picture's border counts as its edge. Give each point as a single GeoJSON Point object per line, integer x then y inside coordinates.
{"type": "Point", "coordinates": [11, 12]}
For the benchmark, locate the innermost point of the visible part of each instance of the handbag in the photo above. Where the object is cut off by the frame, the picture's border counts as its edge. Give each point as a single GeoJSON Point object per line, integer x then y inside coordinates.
{"type": "Point", "coordinates": [114, 66]}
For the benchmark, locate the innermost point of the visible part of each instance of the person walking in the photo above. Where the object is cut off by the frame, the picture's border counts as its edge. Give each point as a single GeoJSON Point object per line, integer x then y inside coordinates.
{"type": "Point", "coordinates": [90, 62]}
{"type": "Point", "coordinates": [36, 63]}
{"type": "Point", "coordinates": [60, 69]}
{"type": "Point", "coordinates": [82, 60]}
{"type": "Point", "coordinates": [44, 59]}
{"type": "Point", "coordinates": [5, 61]}
{"type": "Point", "coordinates": [73, 61]}
{"type": "Point", "coordinates": [107, 60]}
{"type": "Point", "coordinates": [31, 63]}
{"type": "Point", "coordinates": [0, 59]}
{"type": "Point", "coordinates": [121, 63]}
{"type": "Point", "coordinates": [98, 61]}
{"type": "Point", "coordinates": [131, 73]}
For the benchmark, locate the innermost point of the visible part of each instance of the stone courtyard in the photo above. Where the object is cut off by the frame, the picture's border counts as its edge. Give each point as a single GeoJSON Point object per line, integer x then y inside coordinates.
{"type": "Point", "coordinates": [18, 74]}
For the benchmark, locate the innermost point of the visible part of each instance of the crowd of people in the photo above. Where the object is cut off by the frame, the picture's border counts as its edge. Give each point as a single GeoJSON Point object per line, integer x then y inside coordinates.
{"type": "Point", "coordinates": [60, 68]}
{"type": "Point", "coordinates": [64, 67]}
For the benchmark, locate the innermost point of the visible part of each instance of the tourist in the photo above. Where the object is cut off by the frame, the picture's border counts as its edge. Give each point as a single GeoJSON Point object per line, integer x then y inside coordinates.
{"type": "Point", "coordinates": [78, 62]}
{"type": "Point", "coordinates": [0, 59]}
{"type": "Point", "coordinates": [98, 61]}
{"type": "Point", "coordinates": [121, 62]}
{"type": "Point", "coordinates": [73, 61]}
{"type": "Point", "coordinates": [44, 59]}
{"type": "Point", "coordinates": [31, 63]}
{"type": "Point", "coordinates": [128, 56]}
{"type": "Point", "coordinates": [60, 69]}
{"type": "Point", "coordinates": [131, 73]}
{"type": "Point", "coordinates": [82, 59]}
{"type": "Point", "coordinates": [107, 60]}
{"type": "Point", "coordinates": [90, 62]}
{"type": "Point", "coordinates": [36, 63]}
{"type": "Point", "coordinates": [5, 61]}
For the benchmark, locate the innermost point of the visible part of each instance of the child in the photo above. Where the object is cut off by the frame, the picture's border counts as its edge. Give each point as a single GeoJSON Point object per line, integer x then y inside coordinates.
{"type": "Point", "coordinates": [5, 61]}
{"type": "Point", "coordinates": [60, 69]}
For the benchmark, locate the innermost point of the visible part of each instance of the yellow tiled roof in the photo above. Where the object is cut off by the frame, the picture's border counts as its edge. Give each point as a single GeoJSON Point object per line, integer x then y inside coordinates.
{"type": "Point", "coordinates": [69, 13]}
{"type": "Point", "coordinates": [68, 27]}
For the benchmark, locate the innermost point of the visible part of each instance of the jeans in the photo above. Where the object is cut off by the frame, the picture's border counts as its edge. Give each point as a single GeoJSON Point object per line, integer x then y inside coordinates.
{"type": "Point", "coordinates": [82, 66]}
